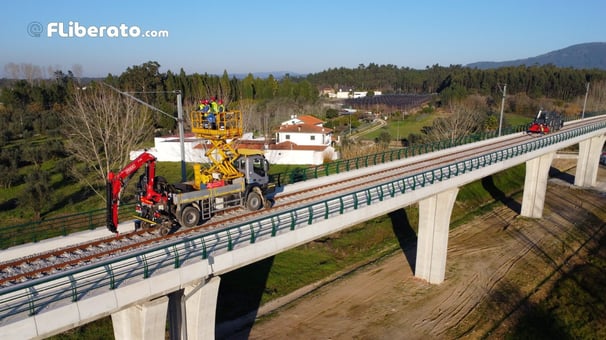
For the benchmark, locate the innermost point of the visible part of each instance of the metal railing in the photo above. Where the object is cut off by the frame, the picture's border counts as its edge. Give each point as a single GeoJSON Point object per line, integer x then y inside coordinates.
{"type": "Point", "coordinates": [57, 226]}
{"type": "Point", "coordinates": [31, 297]}
{"type": "Point", "coordinates": [343, 165]}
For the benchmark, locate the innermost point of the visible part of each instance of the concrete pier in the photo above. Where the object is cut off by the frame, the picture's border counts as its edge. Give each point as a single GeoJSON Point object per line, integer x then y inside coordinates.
{"type": "Point", "coordinates": [535, 185]}
{"type": "Point", "coordinates": [432, 243]}
{"type": "Point", "coordinates": [201, 308]}
{"type": "Point", "coordinates": [589, 161]}
{"type": "Point", "coordinates": [142, 321]}
{"type": "Point", "coordinates": [191, 312]}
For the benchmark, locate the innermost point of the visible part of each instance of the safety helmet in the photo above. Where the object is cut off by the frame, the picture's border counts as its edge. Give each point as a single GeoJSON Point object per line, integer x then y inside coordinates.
{"type": "Point", "coordinates": [220, 101]}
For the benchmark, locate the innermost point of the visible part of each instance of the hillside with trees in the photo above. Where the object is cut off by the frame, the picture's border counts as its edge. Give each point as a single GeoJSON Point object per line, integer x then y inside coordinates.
{"type": "Point", "coordinates": [43, 119]}
{"type": "Point", "coordinates": [581, 56]}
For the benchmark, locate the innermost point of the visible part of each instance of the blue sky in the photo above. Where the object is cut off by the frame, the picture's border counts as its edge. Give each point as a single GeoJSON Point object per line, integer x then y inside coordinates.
{"type": "Point", "coordinates": [296, 36]}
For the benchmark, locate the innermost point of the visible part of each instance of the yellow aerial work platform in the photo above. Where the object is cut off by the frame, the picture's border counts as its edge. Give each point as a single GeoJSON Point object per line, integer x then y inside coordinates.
{"type": "Point", "coordinates": [217, 128]}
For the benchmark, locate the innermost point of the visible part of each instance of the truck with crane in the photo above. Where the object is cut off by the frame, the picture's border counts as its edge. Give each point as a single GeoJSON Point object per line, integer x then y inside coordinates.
{"type": "Point", "coordinates": [233, 178]}
{"type": "Point", "coordinates": [546, 122]}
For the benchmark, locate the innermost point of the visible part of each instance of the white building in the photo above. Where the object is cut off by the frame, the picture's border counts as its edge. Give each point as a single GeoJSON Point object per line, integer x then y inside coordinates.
{"type": "Point", "coordinates": [352, 94]}
{"type": "Point", "coordinates": [302, 140]}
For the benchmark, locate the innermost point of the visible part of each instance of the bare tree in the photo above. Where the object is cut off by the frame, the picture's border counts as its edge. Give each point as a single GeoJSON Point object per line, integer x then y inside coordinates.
{"type": "Point", "coordinates": [102, 128]}
{"type": "Point", "coordinates": [77, 71]}
{"type": "Point", "coordinates": [463, 120]}
{"type": "Point", "coordinates": [31, 72]}
{"type": "Point", "coordinates": [249, 109]}
{"type": "Point", "coordinates": [597, 96]}
{"type": "Point", "coordinates": [12, 70]}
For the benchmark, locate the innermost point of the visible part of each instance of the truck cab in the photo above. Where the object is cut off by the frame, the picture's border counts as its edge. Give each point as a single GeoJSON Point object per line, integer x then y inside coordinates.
{"type": "Point", "coordinates": [254, 167]}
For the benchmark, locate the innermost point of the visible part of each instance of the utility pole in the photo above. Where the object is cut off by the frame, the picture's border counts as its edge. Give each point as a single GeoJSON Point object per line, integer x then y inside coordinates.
{"type": "Point", "coordinates": [585, 101]}
{"type": "Point", "coordinates": [502, 106]}
{"type": "Point", "coordinates": [179, 120]}
{"type": "Point", "coordinates": [181, 135]}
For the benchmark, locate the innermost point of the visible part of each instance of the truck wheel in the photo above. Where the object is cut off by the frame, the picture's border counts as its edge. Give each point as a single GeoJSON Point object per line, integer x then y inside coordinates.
{"type": "Point", "coordinates": [190, 217]}
{"type": "Point", "coordinates": [164, 231]}
{"type": "Point", "coordinates": [254, 201]}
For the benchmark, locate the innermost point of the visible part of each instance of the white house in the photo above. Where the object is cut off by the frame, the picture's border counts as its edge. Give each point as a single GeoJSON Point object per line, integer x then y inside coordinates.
{"type": "Point", "coordinates": [302, 140]}
{"type": "Point", "coordinates": [304, 130]}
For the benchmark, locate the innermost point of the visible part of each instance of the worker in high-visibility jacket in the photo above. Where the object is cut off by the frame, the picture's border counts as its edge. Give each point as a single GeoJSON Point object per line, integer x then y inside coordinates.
{"type": "Point", "coordinates": [213, 105]}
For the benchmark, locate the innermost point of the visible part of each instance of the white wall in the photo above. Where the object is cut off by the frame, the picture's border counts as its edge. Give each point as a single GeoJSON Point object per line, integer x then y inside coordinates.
{"type": "Point", "coordinates": [304, 138]}
{"type": "Point", "coordinates": [169, 150]}
{"type": "Point", "coordinates": [305, 157]}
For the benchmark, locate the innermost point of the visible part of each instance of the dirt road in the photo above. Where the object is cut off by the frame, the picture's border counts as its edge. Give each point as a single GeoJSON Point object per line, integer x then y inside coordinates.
{"type": "Point", "coordinates": [494, 264]}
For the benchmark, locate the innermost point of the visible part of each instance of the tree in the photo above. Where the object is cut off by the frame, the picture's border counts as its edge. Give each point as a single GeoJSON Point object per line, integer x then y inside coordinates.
{"type": "Point", "coordinates": [101, 128]}
{"type": "Point", "coordinates": [37, 192]}
{"type": "Point", "coordinates": [384, 138]}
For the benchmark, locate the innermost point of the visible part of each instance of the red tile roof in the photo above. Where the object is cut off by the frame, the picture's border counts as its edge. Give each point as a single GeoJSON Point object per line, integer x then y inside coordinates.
{"type": "Point", "coordinates": [306, 119]}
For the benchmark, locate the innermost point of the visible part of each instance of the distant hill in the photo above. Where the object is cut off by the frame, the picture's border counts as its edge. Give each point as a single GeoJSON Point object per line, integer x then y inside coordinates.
{"type": "Point", "coordinates": [265, 75]}
{"type": "Point", "coordinates": [581, 56]}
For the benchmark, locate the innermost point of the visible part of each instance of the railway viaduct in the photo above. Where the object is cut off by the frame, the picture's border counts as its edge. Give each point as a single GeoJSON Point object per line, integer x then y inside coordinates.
{"type": "Point", "coordinates": [180, 280]}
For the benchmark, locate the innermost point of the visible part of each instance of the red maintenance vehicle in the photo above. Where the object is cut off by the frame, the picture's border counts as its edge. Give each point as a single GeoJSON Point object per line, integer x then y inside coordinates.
{"type": "Point", "coordinates": [232, 178]}
{"type": "Point", "coordinates": [546, 122]}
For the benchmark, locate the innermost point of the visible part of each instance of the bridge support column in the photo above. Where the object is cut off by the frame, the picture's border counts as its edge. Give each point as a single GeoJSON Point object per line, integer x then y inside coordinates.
{"type": "Point", "coordinates": [201, 308]}
{"type": "Point", "coordinates": [588, 161]}
{"type": "Point", "coordinates": [535, 185]}
{"type": "Point", "coordinates": [143, 321]}
{"type": "Point", "coordinates": [432, 240]}
{"type": "Point", "coordinates": [176, 315]}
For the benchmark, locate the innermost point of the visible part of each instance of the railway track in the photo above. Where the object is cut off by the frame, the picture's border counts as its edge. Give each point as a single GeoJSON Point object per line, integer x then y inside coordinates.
{"type": "Point", "coordinates": [35, 266]}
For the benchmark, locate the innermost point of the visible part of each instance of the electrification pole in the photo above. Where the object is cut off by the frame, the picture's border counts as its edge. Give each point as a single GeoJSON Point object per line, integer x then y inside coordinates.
{"type": "Point", "coordinates": [585, 101]}
{"type": "Point", "coordinates": [502, 105]}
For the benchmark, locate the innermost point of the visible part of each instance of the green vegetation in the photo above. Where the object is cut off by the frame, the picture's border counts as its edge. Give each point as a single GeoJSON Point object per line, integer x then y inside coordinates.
{"type": "Point", "coordinates": [575, 307]}
{"type": "Point", "coordinates": [514, 119]}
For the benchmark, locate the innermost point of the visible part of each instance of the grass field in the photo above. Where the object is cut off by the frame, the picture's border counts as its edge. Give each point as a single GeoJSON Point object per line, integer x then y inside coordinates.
{"type": "Point", "coordinates": [403, 128]}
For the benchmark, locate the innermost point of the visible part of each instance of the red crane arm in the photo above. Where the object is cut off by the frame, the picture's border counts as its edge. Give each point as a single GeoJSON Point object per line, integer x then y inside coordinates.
{"type": "Point", "coordinates": [117, 181]}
